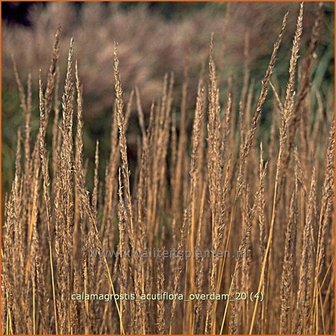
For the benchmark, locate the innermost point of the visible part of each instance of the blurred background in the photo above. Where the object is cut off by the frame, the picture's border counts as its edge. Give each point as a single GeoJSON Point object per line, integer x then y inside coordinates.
{"type": "Point", "coordinates": [154, 39]}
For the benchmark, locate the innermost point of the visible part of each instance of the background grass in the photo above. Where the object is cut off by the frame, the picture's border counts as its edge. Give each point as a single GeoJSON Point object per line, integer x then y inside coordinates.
{"type": "Point", "coordinates": [177, 25]}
